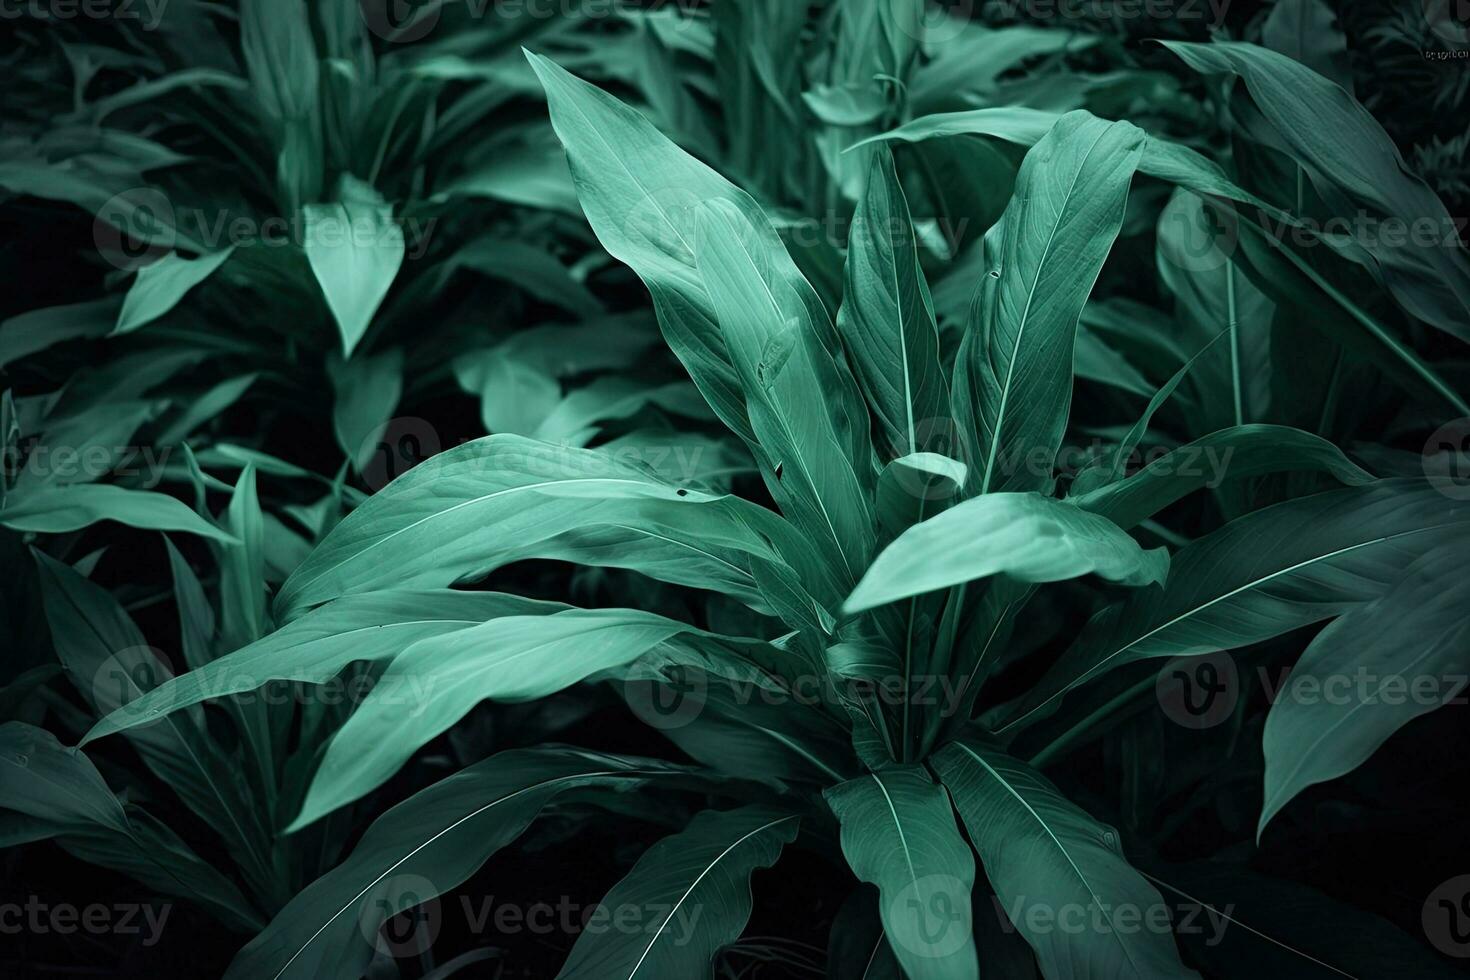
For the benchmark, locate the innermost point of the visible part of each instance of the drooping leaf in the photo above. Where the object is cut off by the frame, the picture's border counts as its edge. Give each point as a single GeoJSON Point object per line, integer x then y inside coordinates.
{"type": "Point", "coordinates": [695, 888]}
{"type": "Point", "coordinates": [1040, 851]}
{"type": "Point", "coordinates": [57, 510]}
{"type": "Point", "coordinates": [899, 833]}
{"type": "Point", "coordinates": [1330, 552]}
{"type": "Point", "coordinates": [1354, 164]}
{"type": "Point", "coordinates": [317, 646]}
{"type": "Point", "coordinates": [1027, 536]}
{"type": "Point", "coordinates": [1369, 673]}
{"type": "Point", "coordinates": [437, 680]}
{"type": "Point", "coordinates": [419, 849]}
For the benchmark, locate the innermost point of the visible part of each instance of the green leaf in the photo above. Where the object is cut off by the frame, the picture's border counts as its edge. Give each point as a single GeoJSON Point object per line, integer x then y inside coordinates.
{"type": "Point", "coordinates": [58, 510]}
{"type": "Point", "coordinates": [1042, 854]}
{"type": "Point", "coordinates": [354, 248]}
{"type": "Point", "coordinates": [528, 268]}
{"type": "Point", "coordinates": [1027, 536]}
{"type": "Point", "coordinates": [1369, 673]}
{"type": "Point", "coordinates": [899, 833]}
{"type": "Point", "coordinates": [160, 285]}
{"type": "Point", "coordinates": [1354, 164]}
{"type": "Point", "coordinates": [640, 193]}
{"type": "Point", "coordinates": [63, 793]}
{"type": "Point", "coordinates": [692, 892]}
{"type": "Point", "coordinates": [887, 317]}
{"type": "Point", "coordinates": [316, 647]}
{"type": "Point", "coordinates": [1233, 453]}
{"type": "Point", "coordinates": [915, 485]}
{"type": "Point", "coordinates": [367, 390]}
{"type": "Point", "coordinates": [489, 502]}
{"type": "Point", "coordinates": [810, 424]}
{"type": "Point", "coordinates": [1044, 256]}
{"type": "Point", "coordinates": [1307, 31]}
{"type": "Point", "coordinates": [436, 681]}
{"type": "Point", "coordinates": [422, 848]}
{"type": "Point", "coordinates": [1329, 552]}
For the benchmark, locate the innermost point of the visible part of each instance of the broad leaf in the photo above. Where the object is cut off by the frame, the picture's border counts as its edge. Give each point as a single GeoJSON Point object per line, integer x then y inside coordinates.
{"type": "Point", "coordinates": [1369, 673]}
{"type": "Point", "coordinates": [1024, 535]}
{"type": "Point", "coordinates": [355, 248]}
{"type": "Point", "coordinates": [898, 832]}
{"type": "Point", "coordinates": [1042, 854]}
{"type": "Point", "coordinates": [1014, 381]}
{"type": "Point", "coordinates": [693, 890]}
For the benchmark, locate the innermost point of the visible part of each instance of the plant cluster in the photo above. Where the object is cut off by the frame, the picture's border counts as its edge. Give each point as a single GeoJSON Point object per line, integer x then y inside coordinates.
{"type": "Point", "coordinates": [1003, 468]}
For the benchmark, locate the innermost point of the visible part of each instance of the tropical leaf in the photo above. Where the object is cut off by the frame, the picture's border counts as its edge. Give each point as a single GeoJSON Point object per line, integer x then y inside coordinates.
{"type": "Point", "coordinates": [1040, 851]}
{"type": "Point", "coordinates": [898, 832]}
{"type": "Point", "coordinates": [693, 889]}
{"type": "Point", "coordinates": [1024, 535]}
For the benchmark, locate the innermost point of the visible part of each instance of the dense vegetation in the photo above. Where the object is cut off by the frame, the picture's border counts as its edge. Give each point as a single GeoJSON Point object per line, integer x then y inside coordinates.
{"type": "Point", "coordinates": [859, 489]}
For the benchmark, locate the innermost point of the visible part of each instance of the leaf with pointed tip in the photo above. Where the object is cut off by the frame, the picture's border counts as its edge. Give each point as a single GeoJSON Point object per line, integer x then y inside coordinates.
{"type": "Point", "coordinates": [487, 503]}
{"type": "Point", "coordinates": [1040, 851]}
{"type": "Point", "coordinates": [316, 647]}
{"type": "Point", "coordinates": [1330, 552]}
{"type": "Point", "coordinates": [1027, 536]}
{"type": "Point", "coordinates": [1014, 383]}
{"type": "Point", "coordinates": [693, 889]}
{"type": "Point", "coordinates": [1376, 668]}
{"type": "Point", "coordinates": [57, 510]}
{"type": "Point", "coordinates": [63, 793]}
{"type": "Point", "coordinates": [354, 248]}
{"type": "Point", "coordinates": [1239, 451]}
{"type": "Point", "coordinates": [898, 832]}
{"type": "Point", "coordinates": [422, 848]}
{"type": "Point", "coordinates": [916, 485]}
{"type": "Point", "coordinates": [160, 286]}
{"type": "Point", "coordinates": [1354, 164]}
{"type": "Point", "coordinates": [436, 681]}
{"type": "Point", "coordinates": [887, 316]}
{"type": "Point", "coordinates": [367, 391]}
{"type": "Point", "coordinates": [811, 430]}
